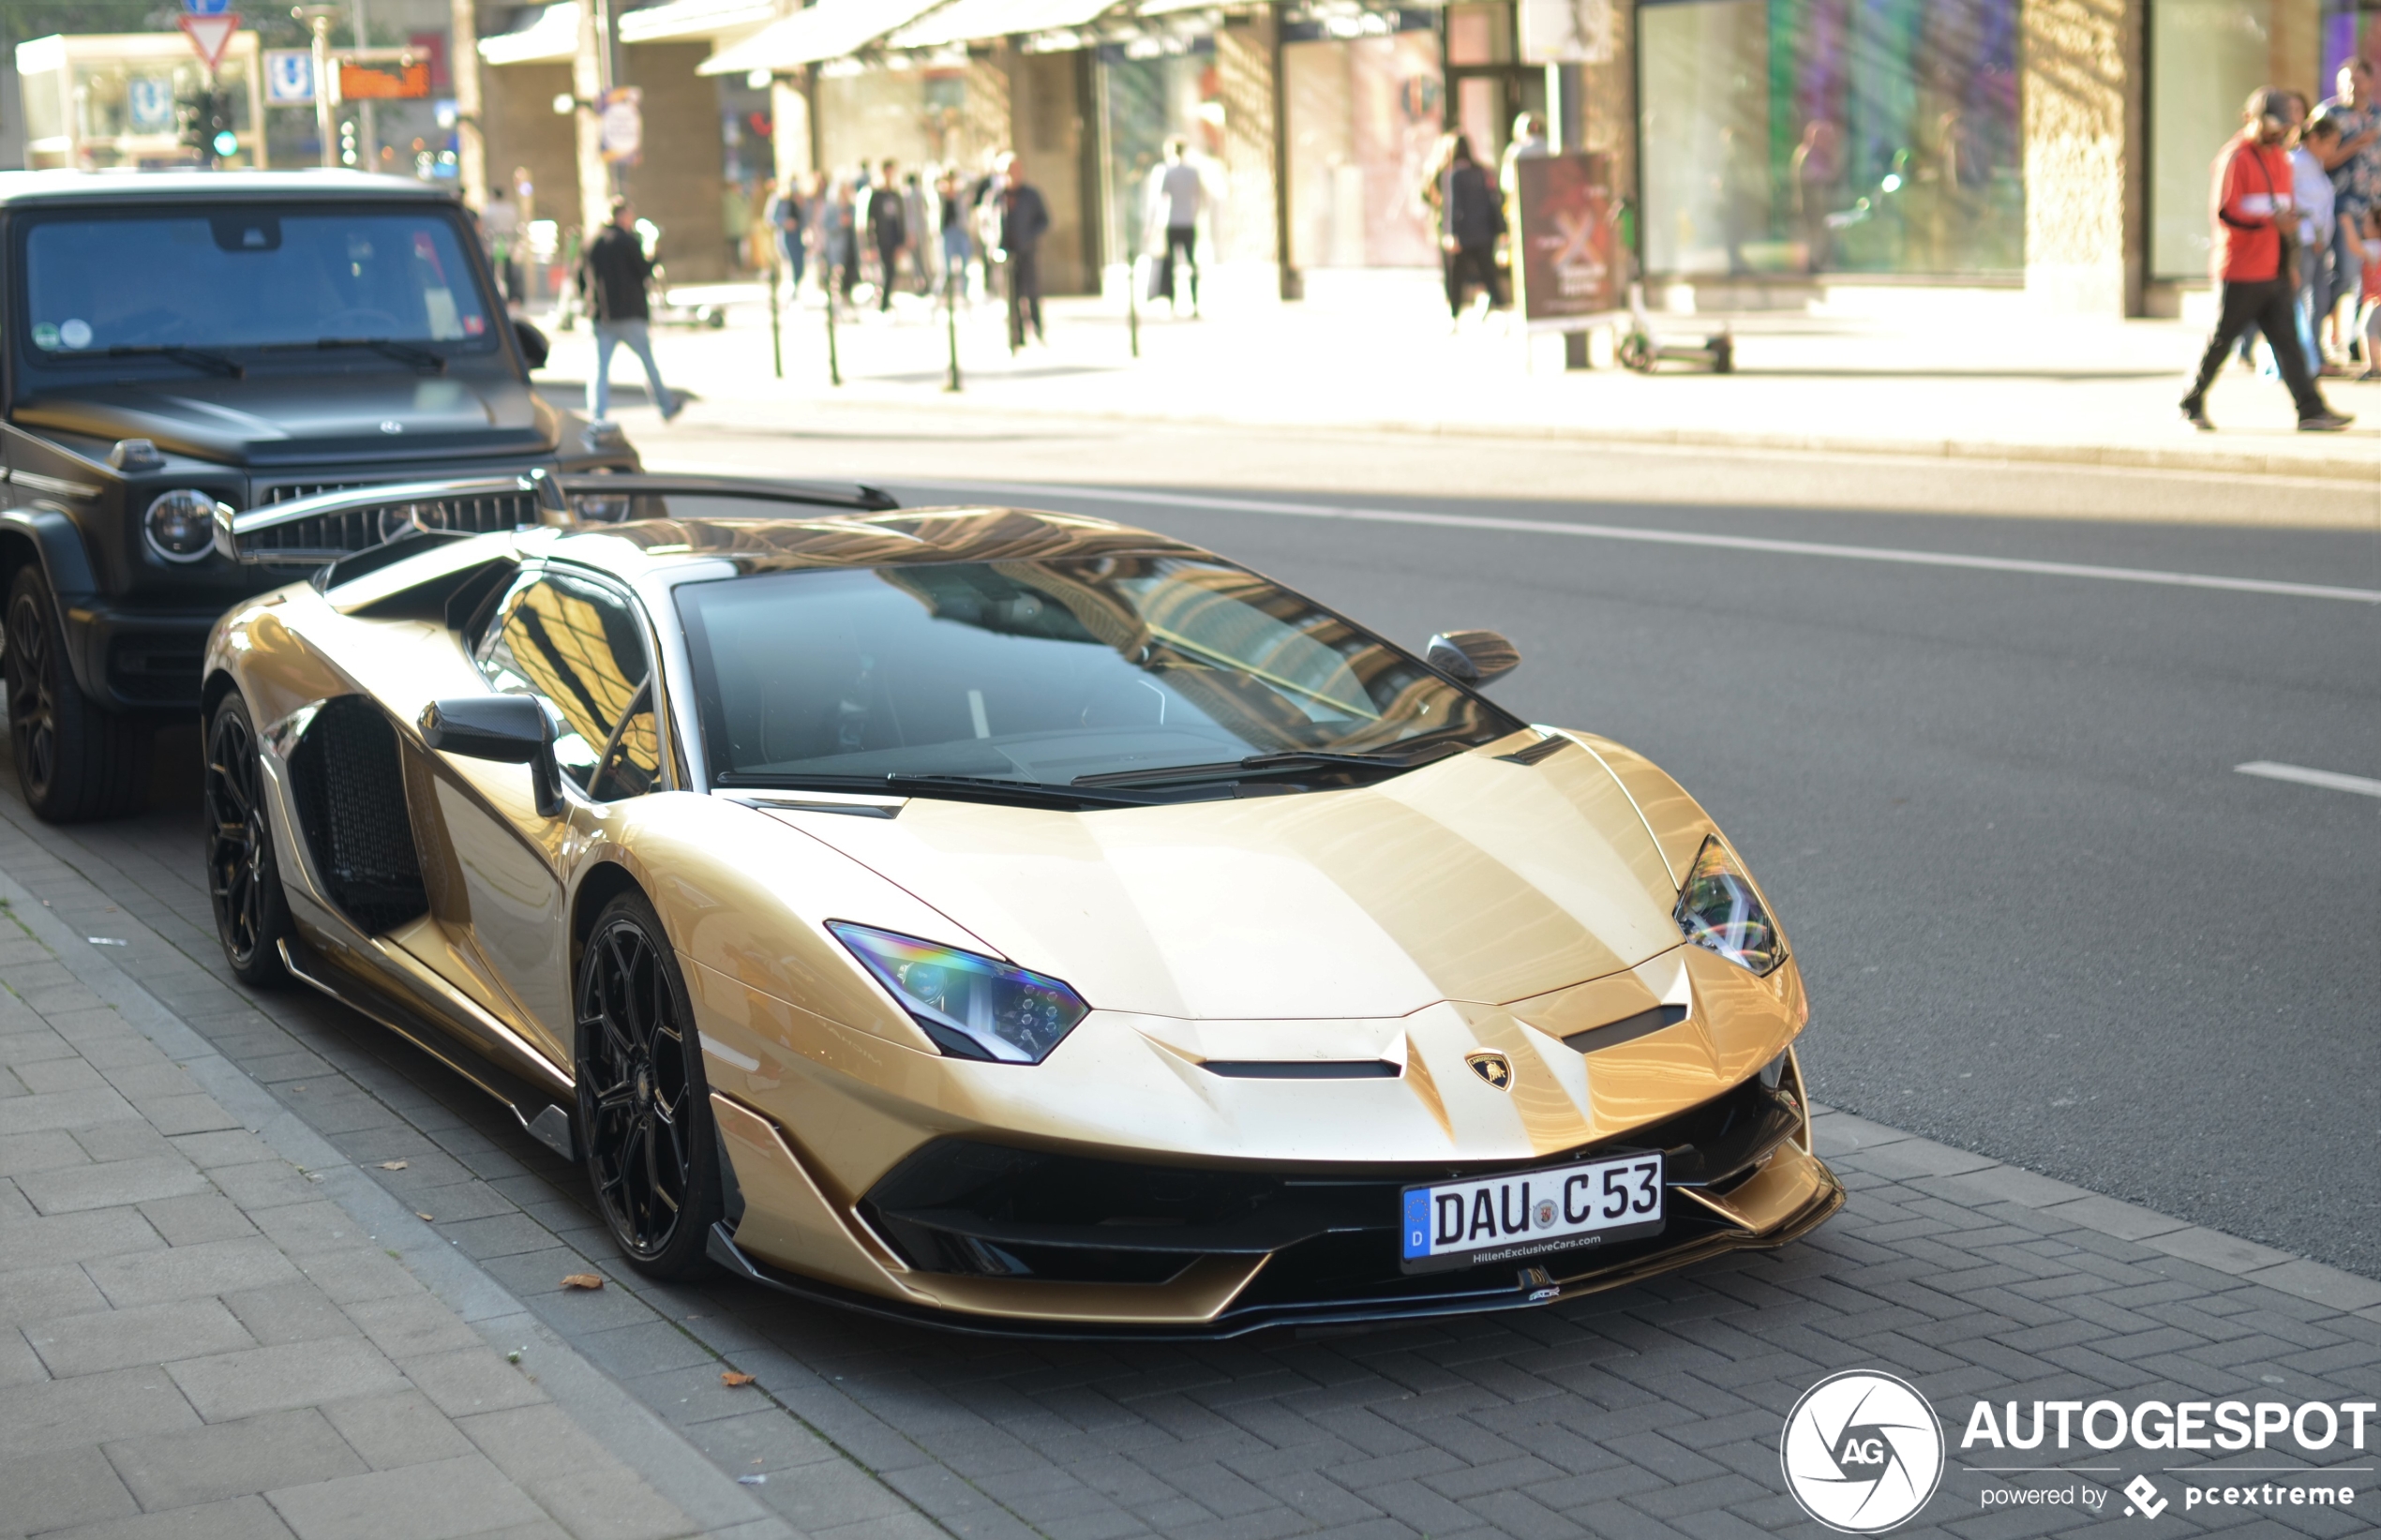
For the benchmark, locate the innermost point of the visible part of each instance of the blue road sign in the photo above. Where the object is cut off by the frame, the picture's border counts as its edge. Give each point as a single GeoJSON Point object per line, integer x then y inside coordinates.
{"type": "Point", "coordinates": [206, 7]}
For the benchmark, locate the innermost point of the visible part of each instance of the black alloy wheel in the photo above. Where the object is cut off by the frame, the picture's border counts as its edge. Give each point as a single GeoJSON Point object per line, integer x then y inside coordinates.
{"type": "Point", "coordinates": [644, 1108]}
{"type": "Point", "coordinates": [74, 760]}
{"type": "Point", "coordinates": [244, 880]}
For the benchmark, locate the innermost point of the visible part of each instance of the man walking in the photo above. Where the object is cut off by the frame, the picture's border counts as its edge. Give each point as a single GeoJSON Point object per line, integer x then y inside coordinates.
{"type": "Point", "coordinates": [612, 276]}
{"type": "Point", "coordinates": [789, 222]}
{"type": "Point", "coordinates": [2252, 210]}
{"type": "Point", "coordinates": [2355, 164]}
{"type": "Point", "coordinates": [888, 227]}
{"type": "Point", "coordinates": [1024, 218]}
{"type": "Point", "coordinates": [1176, 195]}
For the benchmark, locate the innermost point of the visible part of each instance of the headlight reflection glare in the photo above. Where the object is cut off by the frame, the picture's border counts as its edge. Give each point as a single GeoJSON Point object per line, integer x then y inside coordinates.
{"type": "Point", "coordinates": [972, 1006]}
{"type": "Point", "coordinates": [1717, 909]}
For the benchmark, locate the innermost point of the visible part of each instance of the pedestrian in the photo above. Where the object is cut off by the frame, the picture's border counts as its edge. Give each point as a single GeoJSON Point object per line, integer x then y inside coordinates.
{"type": "Point", "coordinates": [2293, 119]}
{"type": "Point", "coordinates": [789, 221]}
{"type": "Point", "coordinates": [888, 231]}
{"type": "Point", "coordinates": [952, 213]}
{"type": "Point", "coordinates": [1024, 218]}
{"type": "Point", "coordinates": [2355, 164]}
{"type": "Point", "coordinates": [2253, 215]}
{"type": "Point", "coordinates": [913, 214]}
{"type": "Point", "coordinates": [984, 204]}
{"type": "Point", "coordinates": [839, 239]}
{"type": "Point", "coordinates": [1472, 221]}
{"type": "Point", "coordinates": [612, 278]}
{"type": "Point", "coordinates": [500, 228]}
{"type": "Point", "coordinates": [2311, 190]}
{"type": "Point", "coordinates": [1529, 143]}
{"type": "Point", "coordinates": [2363, 236]}
{"type": "Point", "coordinates": [1176, 195]}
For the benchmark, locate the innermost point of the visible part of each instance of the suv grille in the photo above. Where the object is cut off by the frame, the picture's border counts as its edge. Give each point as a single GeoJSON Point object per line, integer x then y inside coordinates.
{"type": "Point", "coordinates": [367, 528]}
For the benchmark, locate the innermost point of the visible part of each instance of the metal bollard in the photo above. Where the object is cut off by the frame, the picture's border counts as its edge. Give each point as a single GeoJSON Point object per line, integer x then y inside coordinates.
{"type": "Point", "coordinates": [1132, 303]}
{"type": "Point", "coordinates": [776, 332]}
{"type": "Point", "coordinates": [834, 365]}
{"type": "Point", "coordinates": [951, 285]}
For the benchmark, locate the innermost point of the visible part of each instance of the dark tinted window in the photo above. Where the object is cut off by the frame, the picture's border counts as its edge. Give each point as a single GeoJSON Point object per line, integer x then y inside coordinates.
{"type": "Point", "coordinates": [1045, 671]}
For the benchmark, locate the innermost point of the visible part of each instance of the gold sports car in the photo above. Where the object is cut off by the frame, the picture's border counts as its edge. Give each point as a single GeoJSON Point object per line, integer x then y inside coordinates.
{"type": "Point", "coordinates": [1004, 919]}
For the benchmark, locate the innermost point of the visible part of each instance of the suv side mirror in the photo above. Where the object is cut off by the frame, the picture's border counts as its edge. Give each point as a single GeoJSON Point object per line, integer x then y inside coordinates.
{"type": "Point", "coordinates": [533, 344]}
{"type": "Point", "coordinates": [508, 729]}
{"type": "Point", "coordinates": [1472, 657]}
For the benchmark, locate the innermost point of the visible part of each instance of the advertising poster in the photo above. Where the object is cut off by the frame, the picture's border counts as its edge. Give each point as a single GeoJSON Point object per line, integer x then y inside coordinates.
{"type": "Point", "coordinates": [1569, 246]}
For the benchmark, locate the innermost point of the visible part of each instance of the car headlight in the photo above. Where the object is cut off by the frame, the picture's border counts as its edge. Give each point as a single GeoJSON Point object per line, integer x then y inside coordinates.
{"type": "Point", "coordinates": [974, 1008]}
{"type": "Point", "coordinates": [180, 525]}
{"type": "Point", "coordinates": [1718, 909]}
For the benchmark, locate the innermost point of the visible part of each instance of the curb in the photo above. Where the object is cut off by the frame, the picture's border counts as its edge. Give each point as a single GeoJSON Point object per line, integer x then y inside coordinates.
{"type": "Point", "coordinates": [630, 1431]}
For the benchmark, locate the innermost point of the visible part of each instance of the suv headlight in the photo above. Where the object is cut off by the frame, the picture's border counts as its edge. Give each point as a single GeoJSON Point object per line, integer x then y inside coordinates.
{"type": "Point", "coordinates": [972, 1006]}
{"type": "Point", "coordinates": [180, 525]}
{"type": "Point", "coordinates": [1718, 909]}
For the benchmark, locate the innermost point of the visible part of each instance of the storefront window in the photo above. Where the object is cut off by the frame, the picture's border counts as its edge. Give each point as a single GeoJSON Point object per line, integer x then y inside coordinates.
{"type": "Point", "coordinates": [1365, 116]}
{"type": "Point", "coordinates": [913, 115]}
{"type": "Point", "coordinates": [2205, 58]}
{"type": "Point", "coordinates": [1831, 136]}
{"type": "Point", "coordinates": [1155, 96]}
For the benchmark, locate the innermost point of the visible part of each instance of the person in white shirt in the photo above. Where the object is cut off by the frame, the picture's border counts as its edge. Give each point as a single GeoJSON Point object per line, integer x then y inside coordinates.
{"type": "Point", "coordinates": [1176, 195]}
{"type": "Point", "coordinates": [2310, 188]}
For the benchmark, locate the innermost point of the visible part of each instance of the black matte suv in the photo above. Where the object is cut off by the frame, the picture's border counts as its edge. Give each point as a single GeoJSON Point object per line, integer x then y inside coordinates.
{"type": "Point", "coordinates": [180, 344]}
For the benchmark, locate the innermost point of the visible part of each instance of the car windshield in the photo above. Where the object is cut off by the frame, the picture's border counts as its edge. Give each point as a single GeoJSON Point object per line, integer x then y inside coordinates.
{"type": "Point", "coordinates": [219, 279]}
{"type": "Point", "coordinates": [1048, 673]}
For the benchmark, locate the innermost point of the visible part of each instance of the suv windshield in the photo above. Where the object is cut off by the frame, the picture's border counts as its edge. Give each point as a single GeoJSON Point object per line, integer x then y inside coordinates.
{"type": "Point", "coordinates": [1049, 673]}
{"type": "Point", "coordinates": [217, 279]}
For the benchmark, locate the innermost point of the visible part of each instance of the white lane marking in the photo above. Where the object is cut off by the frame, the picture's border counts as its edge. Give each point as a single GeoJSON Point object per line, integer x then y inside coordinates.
{"type": "Point", "coordinates": [1667, 537]}
{"type": "Point", "coordinates": [2328, 780]}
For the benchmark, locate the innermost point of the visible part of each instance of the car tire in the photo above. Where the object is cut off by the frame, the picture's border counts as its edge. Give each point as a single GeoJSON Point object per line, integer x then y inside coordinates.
{"type": "Point", "coordinates": [244, 875]}
{"type": "Point", "coordinates": [75, 760]}
{"type": "Point", "coordinates": [644, 1105]}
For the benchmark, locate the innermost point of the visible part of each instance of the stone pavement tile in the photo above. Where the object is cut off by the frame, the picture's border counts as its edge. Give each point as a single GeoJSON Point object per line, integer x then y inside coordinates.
{"type": "Point", "coordinates": [454, 1497]}
{"type": "Point", "coordinates": [53, 1491]}
{"type": "Point", "coordinates": [68, 1413]}
{"type": "Point", "coordinates": [190, 1113]}
{"type": "Point", "coordinates": [33, 1047]}
{"type": "Point", "coordinates": [471, 1380]}
{"type": "Point", "coordinates": [186, 1272]}
{"type": "Point", "coordinates": [71, 1189]}
{"type": "Point", "coordinates": [18, 1364]}
{"type": "Point", "coordinates": [648, 1347]}
{"type": "Point", "coordinates": [127, 1140]}
{"type": "Point", "coordinates": [52, 1076]}
{"type": "Point", "coordinates": [606, 1503]}
{"type": "Point", "coordinates": [405, 1325]}
{"type": "Point", "coordinates": [148, 1334]}
{"type": "Point", "coordinates": [36, 1294]}
{"type": "Point", "coordinates": [529, 1441]}
{"type": "Point", "coordinates": [255, 1454]}
{"type": "Point", "coordinates": [48, 1239]}
{"type": "Point", "coordinates": [239, 1384]}
{"type": "Point", "coordinates": [504, 1235]}
{"type": "Point", "coordinates": [396, 1429]}
{"type": "Point", "coordinates": [293, 1311]}
{"type": "Point", "coordinates": [44, 1151]}
{"type": "Point", "coordinates": [223, 1147]}
{"type": "Point", "coordinates": [2111, 1216]}
{"type": "Point", "coordinates": [198, 1218]}
{"type": "Point", "coordinates": [350, 1277]}
{"type": "Point", "coordinates": [265, 1184]}
{"type": "Point", "coordinates": [303, 1229]}
{"type": "Point", "coordinates": [2213, 1248]}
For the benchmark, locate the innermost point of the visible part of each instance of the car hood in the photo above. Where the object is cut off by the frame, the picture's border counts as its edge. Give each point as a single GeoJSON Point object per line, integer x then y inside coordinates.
{"type": "Point", "coordinates": [286, 419]}
{"type": "Point", "coordinates": [1476, 878]}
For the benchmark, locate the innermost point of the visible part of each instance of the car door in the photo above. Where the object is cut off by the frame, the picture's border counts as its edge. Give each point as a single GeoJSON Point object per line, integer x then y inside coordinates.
{"type": "Point", "coordinates": [577, 646]}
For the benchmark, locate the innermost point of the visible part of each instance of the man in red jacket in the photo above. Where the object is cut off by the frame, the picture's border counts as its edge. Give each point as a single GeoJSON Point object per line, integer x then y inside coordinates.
{"type": "Point", "coordinates": [2253, 209]}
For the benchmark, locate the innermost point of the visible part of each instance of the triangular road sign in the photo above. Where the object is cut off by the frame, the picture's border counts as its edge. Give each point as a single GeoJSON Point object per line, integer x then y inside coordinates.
{"type": "Point", "coordinates": [211, 35]}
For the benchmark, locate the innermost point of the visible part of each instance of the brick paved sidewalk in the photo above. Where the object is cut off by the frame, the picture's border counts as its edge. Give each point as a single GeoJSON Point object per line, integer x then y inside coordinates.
{"type": "Point", "coordinates": [1649, 1412]}
{"type": "Point", "coordinates": [196, 1340]}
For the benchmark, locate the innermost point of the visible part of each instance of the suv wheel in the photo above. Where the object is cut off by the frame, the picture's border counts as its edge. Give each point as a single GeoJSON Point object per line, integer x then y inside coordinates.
{"type": "Point", "coordinates": [74, 760]}
{"type": "Point", "coordinates": [244, 881]}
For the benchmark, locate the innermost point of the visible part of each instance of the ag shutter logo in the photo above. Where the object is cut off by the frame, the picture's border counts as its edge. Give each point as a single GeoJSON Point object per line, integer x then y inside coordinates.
{"type": "Point", "coordinates": [1862, 1452]}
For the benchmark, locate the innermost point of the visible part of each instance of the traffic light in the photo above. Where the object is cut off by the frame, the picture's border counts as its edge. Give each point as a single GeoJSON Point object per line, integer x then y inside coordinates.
{"type": "Point", "coordinates": [206, 126]}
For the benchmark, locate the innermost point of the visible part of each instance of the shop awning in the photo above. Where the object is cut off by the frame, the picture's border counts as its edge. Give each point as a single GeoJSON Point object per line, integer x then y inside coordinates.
{"type": "Point", "coordinates": [828, 30]}
{"type": "Point", "coordinates": [979, 21]}
{"type": "Point", "coordinates": [551, 36]}
{"type": "Point", "coordinates": [679, 21]}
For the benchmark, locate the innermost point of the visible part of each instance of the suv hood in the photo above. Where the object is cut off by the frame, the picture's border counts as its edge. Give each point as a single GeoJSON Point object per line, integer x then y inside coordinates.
{"type": "Point", "coordinates": [1473, 878]}
{"type": "Point", "coordinates": [270, 420]}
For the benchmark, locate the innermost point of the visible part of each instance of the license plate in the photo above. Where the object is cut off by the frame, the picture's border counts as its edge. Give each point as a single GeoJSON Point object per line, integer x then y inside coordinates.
{"type": "Point", "coordinates": [1528, 1213]}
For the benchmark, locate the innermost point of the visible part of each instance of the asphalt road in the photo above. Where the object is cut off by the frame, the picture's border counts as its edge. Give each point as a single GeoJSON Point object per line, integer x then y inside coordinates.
{"type": "Point", "coordinates": [2041, 915]}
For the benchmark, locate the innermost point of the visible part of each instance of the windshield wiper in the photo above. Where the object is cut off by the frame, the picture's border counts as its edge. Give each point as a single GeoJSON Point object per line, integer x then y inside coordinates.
{"type": "Point", "coordinates": [966, 788]}
{"type": "Point", "coordinates": [404, 352]}
{"type": "Point", "coordinates": [197, 358]}
{"type": "Point", "coordinates": [1269, 764]}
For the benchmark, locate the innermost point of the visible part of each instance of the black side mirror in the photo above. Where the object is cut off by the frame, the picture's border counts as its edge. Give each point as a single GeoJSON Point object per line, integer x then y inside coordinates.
{"type": "Point", "coordinates": [1472, 657]}
{"type": "Point", "coordinates": [508, 729]}
{"type": "Point", "coordinates": [533, 344]}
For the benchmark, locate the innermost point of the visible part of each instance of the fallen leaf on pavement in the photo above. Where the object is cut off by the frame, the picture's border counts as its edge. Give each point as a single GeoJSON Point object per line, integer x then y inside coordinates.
{"type": "Point", "coordinates": [392, 1165]}
{"type": "Point", "coordinates": [419, 1215]}
{"type": "Point", "coordinates": [729, 1377]}
{"type": "Point", "coordinates": [582, 1281]}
